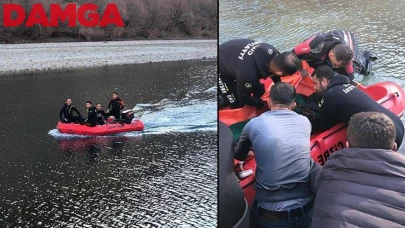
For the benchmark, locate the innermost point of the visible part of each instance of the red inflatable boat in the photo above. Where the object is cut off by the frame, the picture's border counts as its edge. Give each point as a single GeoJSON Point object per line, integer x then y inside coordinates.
{"type": "Point", "coordinates": [323, 144]}
{"type": "Point", "coordinates": [106, 129]}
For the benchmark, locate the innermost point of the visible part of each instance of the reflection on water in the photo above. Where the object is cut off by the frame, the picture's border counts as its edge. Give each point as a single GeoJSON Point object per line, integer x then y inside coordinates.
{"type": "Point", "coordinates": [379, 26]}
{"type": "Point", "coordinates": [163, 177]}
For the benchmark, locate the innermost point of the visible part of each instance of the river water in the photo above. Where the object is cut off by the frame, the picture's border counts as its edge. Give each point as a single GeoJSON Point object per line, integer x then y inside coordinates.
{"type": "Point", "coordinates": [165, 176]}
{"type": "Point", "coordinates": [379, 26]}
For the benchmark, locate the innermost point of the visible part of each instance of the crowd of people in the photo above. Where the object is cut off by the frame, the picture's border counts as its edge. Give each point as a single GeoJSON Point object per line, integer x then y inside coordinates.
{"type": "Point", "coordinates": [362, 185]}
{"type": "Point", "coordinates": [95, 115]}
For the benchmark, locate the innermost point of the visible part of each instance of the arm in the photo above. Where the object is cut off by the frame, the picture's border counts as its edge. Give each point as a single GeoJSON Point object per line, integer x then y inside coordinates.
{"type": "Point", "coordinates": [74, 109]}
{"type": "Point", "coordinates": [306, 46]}
{"type": "Point", "coordinates": [245, 88]}
{"type": "Point", "coordinates": [122, 104]}
{"type": "Point", "coordinates": [349, 70]}
{"type": "Point", "coordinates": [109, 105]}
{"type": "Point", "coordinates": [61, 113]}
{"type": "Point", "coordinates": [244, 144]}
{"type": "Point", "coordinates": [329, 109]}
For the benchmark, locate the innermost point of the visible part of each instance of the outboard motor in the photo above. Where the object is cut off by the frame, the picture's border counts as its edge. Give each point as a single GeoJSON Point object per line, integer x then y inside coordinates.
{"type": "Point", "coordinates": [127, 116]}
{"type": "Point", "coordinates": [362, 60]}
{"type": "Point", "coordinates": [233, 209]}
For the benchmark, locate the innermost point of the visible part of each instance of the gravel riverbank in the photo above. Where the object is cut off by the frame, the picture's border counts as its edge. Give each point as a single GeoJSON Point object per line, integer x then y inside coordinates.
{"type": "Point", "coordinates": [20, 58]}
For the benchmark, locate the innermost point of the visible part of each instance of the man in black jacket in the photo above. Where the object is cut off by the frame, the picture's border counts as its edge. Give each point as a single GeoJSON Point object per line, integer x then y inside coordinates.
{"type": "Point", "coordinates": [66, 113]}
{"type": "Point", "coordinates": [243, 62]}
{"type": "Point", "coordinates": [101, 116]}
{"type": "Point", "coordinates": [363, 185]}
{"type": "Point", "coordinates": [325, 49]}
{"type": "Point", "coordinates": [115, 106]}
{"type": "Point", "coordinates": [91, 119]}
{"type": "Point", "coordinates": [341, 100]}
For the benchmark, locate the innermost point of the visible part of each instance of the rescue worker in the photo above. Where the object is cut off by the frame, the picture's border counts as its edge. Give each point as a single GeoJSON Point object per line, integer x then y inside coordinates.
{"type": "Point", "coordinates": [243, 62]}
{"type": "Point", "coordinates": [101, 116]}
{"type": "Point", "coordinates": [66, 113]}
{"type": "Point", "coordinates": [115, 106]}
{"type": "Point", "coordinates": [326, 49]}
{"type": "Point", "coordinates": [91, 119]}
{"type": "Point", "coordinates": [340, 101]}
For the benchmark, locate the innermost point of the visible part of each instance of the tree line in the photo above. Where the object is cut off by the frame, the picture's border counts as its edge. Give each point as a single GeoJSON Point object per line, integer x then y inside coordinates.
{"type": "Point", "coordinates": [143, 19]}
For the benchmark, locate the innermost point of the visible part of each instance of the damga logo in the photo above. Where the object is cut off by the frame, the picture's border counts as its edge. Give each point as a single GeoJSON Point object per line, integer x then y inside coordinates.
{"type": "Point", "coordinates": [86, 15]}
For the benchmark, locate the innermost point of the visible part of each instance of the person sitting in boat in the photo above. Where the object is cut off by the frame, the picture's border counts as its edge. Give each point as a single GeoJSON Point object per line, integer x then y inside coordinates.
{"type": "Point", "coordinates": [340, 101]}
{"type": "Point", "coordinates": [243, 62]}
{"type": "Point", "coordinates": [101, 116]}
{"type": "Point", "coordinates": [280, 139]}
{"type": "Point", "coordinates": [327, 49]}
{"type": "Point", "coordinates": [66, 113]}
{"type": "Point", "coordinates": [115, 106]}
{"type": "Point", "coordinates": [91, 119]}
{"type": "Point", "coordinates": [363, 185]}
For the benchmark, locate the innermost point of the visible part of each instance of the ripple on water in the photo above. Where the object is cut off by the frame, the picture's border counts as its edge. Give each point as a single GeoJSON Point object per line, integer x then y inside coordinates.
{"type": "Point", "coordinates": [146, 185]}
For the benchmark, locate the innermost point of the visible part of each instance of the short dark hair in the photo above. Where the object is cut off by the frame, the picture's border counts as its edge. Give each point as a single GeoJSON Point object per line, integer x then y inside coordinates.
{"type": "Point", "coordinates": [98, 104]}
{"type": "Point", "coordinates": [282, 93]}
{"type": "Point", "coordinates": [68, 99]}
{"type": "Point", "coordinates": [323, 71]}
{"type": "Point", "coordinates": [89, 102]}
{"type": "Point", "coordinates": [115, 93]}
{"type": "Point", "coordinates": [287, 62]}
{"type": "Point", "coordinates": [343, 53]}
{"type": "Point", "coordinates": [373, 130]}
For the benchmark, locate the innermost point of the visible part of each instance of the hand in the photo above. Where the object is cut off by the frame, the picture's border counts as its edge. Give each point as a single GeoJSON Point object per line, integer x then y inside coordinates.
{"type": "Point", "coordinates": [107, 111]}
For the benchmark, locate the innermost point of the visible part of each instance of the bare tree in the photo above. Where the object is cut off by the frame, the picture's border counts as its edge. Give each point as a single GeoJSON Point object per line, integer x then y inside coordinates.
{"type": "Point", "coordinates": [142, 19]}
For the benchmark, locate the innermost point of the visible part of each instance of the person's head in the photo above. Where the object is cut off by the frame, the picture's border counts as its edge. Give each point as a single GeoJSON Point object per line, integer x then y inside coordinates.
{"type": "Point", "coordinates": [372, 130]}
{"type": "Point", "coordinates": [115, 95]}
{"type": "Point", "coordinates": [69, 101]}
{"type": "Point", "coordinates": [321, 77]}
{"type": "Point", "coordinates": [340, 56]}
{"type": "Point", "coordinates": [98, 106]}
{"type": "Point", "coordinates": [88, 104]}
{"type": "Point", "coordinates": [282, 95]}
{"type": "Point", "coordinates": [286, 63]}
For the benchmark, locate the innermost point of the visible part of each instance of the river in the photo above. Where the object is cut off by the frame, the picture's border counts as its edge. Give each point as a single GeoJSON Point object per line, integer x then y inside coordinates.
{"type": "Point", "coordinates": [379, 26]}
{"type": "Point", "coordinates": [163, 177]}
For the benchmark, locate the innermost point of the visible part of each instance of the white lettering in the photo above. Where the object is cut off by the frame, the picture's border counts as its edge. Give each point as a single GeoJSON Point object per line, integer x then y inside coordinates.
{"type": "Point", "coordinates": [251, 46]}
{"type": "Point", "coordinates": [348, 89]}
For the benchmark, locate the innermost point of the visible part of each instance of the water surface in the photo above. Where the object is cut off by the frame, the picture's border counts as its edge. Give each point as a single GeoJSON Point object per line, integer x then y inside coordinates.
{"type": "Point", "coordinates": [162, 177]}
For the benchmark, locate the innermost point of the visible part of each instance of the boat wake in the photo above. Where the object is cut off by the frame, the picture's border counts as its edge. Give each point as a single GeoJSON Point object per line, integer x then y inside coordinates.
{"type": "Point", "coordinates": [196, 112]}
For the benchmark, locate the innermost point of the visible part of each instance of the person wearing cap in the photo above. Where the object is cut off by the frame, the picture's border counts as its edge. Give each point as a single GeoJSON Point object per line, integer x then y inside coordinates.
{"type": "Point", "coordinates": [243, 62]}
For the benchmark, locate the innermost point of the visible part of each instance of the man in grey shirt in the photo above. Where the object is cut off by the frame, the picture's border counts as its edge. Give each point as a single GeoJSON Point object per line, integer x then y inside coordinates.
{"type": "Point", "coordinates": [280, 139]}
